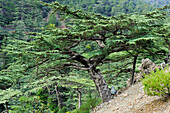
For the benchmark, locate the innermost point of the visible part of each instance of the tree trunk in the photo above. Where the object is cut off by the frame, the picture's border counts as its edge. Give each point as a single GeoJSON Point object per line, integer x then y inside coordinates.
{"type": "Point", "coordinates": [133, 71]}
{"type": "Point", "coordinates": [58, 97]}
{"type": "Point", "coordinates": [79, 95]}
{"type": "Point", "coordinates": [6, 104]}
{"type": "Point", "coordinates": [101, 84]}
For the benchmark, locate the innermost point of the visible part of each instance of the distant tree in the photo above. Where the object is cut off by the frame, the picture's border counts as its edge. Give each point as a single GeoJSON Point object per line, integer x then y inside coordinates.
{"type": "Point", "coordinates": [7, 9]}
{"type": "Point", "coordinates": [105, 7]}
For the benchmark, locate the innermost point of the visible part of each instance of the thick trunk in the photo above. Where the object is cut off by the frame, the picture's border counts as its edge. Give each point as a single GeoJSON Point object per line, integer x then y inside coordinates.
{"type": "Point", "coordinates": [101, 85]}
{"type": "Point", "coordinates": [133, 71]}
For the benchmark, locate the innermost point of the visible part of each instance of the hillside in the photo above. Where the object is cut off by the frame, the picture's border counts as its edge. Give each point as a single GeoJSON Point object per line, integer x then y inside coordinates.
{"type": "Point", "coordinates": [133, 100]}
{"type": "Point", "coordinates": [108, 7]}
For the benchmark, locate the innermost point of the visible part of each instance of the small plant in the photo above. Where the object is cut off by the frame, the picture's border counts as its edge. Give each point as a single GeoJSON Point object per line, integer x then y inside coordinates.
{"type": "Point", "coordinates": [157, 83]}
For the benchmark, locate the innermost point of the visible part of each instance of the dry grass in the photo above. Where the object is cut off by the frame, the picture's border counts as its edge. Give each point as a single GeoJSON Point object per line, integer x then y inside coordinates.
{"type": "Point", "coordinates": [161, 106]}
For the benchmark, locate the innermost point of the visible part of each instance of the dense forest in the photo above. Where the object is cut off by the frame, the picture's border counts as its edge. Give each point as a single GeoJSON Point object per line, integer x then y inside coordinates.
{"type": "Point", "coordinates": [59, 56]}
{"type": "Point", "coordinates": [157, 3]}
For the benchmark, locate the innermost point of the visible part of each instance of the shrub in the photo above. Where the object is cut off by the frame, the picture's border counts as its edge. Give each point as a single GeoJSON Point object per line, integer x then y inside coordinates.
{"type": "Point", "coordinates": [63, 110]}
{"type": "Point", "coordinates": [85, 108]}
{"type": "Point", "coordinates": [27, 104]}
{"type": "Point", "coordinates": [158, 83]}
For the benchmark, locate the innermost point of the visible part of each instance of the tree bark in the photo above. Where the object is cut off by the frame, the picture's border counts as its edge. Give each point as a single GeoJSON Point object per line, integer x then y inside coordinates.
{"type": "Point", "coordinates": [58, 97]}
{"type": "Point", "coordinates": [133, 71]}
{"type": "Point", "coordinates": [79, 96]}
{"type": "Point", "coordinates": [100, 84]}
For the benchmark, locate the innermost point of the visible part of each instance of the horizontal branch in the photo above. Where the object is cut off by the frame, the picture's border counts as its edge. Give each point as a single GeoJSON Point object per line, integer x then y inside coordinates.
{"type": "Point", "coordinates": [75, 44]}
{"type": "Point", "coordinates": [100, 58]}
{"type": "Point", "coordinates": [73, 64]}
{"type": "Point", "coordinates": [76, 66]}
{"type": "Point", "coordinates": [80, 68]}
{"type": "Point", "coordinates": [119, 68]}
{"type": "Point", "coordinates": [37, 64]}
{"type": "Point", "coordinates": [123, 70]}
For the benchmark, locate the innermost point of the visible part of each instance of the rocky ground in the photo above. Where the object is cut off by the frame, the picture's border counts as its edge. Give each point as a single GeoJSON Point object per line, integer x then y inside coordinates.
{"type": "Point", "coordinates": [133, 100]}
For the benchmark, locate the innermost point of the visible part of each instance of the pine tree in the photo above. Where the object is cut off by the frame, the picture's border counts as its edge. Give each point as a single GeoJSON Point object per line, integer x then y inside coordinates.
{"type": "Point", "coordinates": [58, 49]}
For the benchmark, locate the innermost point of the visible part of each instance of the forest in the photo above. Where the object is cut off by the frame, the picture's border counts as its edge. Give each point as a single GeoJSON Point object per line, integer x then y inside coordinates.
{"type": "Point", "coordinates": [64, 56]}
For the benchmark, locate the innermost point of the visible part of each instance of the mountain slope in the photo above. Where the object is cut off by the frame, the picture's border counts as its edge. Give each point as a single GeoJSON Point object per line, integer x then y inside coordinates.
{"type": "Point", "coordinates": [133, 100]}
{"type": "Point", "coordinates": [109, 7]}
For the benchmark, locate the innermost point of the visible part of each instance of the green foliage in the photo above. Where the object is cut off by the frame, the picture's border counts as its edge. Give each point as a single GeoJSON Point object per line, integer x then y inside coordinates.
{"type": "Point", "coordinates": [87, 106]}
{"type": "Point", "coordinates": [47, 100]}
{"type": "Point", "coordinates": [7, 9]}
{"type": "Point", "coordinates": [108, 7]}
{"type": "Point", "coordinates": [43, 95]}
{"type": "Point", "coordinates": [63, 110]}
{"type": "Point", "coordinates": [53, 20]}
{"type": "Point", "coordinates": [30, 105]}
{"type": "Point", "coordinates": [6, 95]}
{"type": "Point", "coordinates": [157, 83]}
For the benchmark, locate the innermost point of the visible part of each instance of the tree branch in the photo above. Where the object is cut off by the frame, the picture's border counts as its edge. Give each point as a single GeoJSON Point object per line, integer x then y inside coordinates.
{"type": "Point", "coordinates": [75, 44]}
{"type": "Point", "coordinates": [100, 43]}
{"type": "Point", "coordinates": [76, 66]}
{"type": "Point", "coordinates": [119, 68]}
{"type": "Point", "coordinates": [36, 64]}
{"type": "Point", "coordinates": [75, 56]}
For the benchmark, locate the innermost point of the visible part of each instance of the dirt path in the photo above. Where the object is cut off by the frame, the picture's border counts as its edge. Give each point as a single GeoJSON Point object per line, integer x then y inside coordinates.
{"type": "Point", "coordinates": [133, 100]}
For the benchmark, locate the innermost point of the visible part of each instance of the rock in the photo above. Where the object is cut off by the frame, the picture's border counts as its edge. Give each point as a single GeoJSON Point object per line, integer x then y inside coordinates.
{"type": "Point", "coordinates": [163, 65]}
{"type": "Point", "coordinates": [145, 68]}
{"type": "Point", "coordinates": [113, 90]}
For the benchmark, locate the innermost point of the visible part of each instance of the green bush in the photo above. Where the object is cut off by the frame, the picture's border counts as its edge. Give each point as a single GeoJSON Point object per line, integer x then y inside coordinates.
{"type": "Point", "coordinates": [47, 100]}
{"type": "Point", "coordinates": [158, 83]}
{"type": "Point", "coordinates": [53, 20]}
{"type": "Point", "coordinates": [63, 110]}
{"type": "Point", "coordinates": [27, 104]}
{"type": "Point", "coordinates": [85, 108]}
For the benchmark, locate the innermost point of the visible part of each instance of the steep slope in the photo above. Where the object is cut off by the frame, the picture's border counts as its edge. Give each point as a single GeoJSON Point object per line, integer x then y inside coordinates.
{"type": "Point", "coordinates": [133, 100]}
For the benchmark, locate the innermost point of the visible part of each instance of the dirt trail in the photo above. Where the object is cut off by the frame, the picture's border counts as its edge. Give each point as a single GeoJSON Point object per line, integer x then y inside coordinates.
{"type": "Point", "coordinates": [133, 100]}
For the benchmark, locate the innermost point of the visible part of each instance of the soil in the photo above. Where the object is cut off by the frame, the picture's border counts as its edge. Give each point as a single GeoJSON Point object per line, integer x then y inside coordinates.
{"type": "Point", "coordinates": [133, 100]}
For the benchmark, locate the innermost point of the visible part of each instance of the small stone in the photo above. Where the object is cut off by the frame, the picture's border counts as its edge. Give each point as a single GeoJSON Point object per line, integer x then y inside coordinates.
{"type": "Point", "coordinates": [131, 107]}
